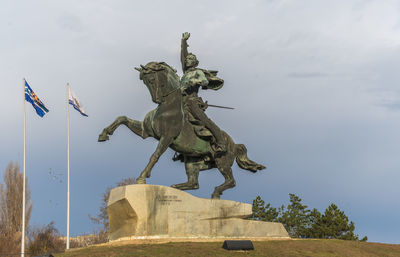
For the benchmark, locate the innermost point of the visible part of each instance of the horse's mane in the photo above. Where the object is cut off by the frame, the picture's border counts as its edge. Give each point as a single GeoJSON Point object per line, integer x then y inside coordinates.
{"type": "Point", "coordinates": [154, 67]}
{"type": "Point", "coordinates": [160, 66]}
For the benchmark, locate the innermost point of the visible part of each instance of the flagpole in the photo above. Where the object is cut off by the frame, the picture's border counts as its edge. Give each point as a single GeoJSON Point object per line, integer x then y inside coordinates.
{"type": "Point", "coordinates": [23, 183]}
{"type": "Point", "coordinates": [68, 166]}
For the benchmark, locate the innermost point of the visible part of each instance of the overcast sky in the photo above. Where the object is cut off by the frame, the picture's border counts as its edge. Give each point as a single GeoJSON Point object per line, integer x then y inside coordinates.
{"type": "Point", "coordinates": [314, 85]}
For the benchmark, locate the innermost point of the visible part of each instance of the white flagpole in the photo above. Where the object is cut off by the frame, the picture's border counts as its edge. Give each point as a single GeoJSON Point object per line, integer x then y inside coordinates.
{"type": "Point", "coordinates": [23, 184]}
{"type": "Point", "coordinates": [68, 166]}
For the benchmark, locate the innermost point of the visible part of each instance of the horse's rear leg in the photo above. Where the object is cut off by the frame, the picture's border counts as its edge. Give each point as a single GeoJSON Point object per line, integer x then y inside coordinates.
{"type": "Point", "coordinates": [193, 167]}
{"type": "Point", "coordinates": [229, 182]}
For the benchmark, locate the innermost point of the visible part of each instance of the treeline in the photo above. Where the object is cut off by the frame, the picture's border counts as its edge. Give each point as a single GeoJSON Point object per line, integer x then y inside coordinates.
{"type": "Point", "coordinates": [301, 222]}
{"type": "Point", "coordinates": [39, 239]}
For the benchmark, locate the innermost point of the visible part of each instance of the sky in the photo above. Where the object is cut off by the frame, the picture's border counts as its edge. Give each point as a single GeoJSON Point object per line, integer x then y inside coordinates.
{"type": "Point", "coordinates": [314, 85]}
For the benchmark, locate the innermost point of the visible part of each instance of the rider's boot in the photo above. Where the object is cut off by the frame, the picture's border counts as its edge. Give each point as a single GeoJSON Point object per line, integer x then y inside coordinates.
{"type": "Point", "coordinates": [199, 113]}
{"type": "Point", "coordinates": [219, 146]}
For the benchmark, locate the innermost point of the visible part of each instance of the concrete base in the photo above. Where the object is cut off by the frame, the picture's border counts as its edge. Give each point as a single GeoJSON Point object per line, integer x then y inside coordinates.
{"type": "Point", "coordinates": [152, 211]}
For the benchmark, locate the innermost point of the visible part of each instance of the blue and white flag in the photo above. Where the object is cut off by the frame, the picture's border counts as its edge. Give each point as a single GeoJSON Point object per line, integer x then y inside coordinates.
{"type": "Point", "coordinates": [73, 100]}
{"type": "Point", "coordinates": [31, 97]}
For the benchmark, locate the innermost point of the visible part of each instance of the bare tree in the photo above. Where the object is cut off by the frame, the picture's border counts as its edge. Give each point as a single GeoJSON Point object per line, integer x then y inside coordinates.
{"type": "Point", "coordinates": [11, 208]}
{"type": "Point", "coordinates": [102, 217]}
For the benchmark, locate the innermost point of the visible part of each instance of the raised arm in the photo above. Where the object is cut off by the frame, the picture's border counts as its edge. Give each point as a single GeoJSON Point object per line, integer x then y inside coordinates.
{"type": "Point", "coordinates": [184, 51]}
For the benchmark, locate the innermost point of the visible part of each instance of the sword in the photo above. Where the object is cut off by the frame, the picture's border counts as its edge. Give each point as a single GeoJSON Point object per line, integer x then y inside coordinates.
{"type": "Point", "coordinates": [218, 106]}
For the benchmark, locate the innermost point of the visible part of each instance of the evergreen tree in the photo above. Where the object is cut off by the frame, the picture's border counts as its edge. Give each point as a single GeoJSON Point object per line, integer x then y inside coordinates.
{"type": "Point", "coordinates": [263, 213]}
{"type": "Point", "coordinates": [300, 222]}
{"type": "Point", "coordinates": [333, 224]}
{"type": "Point", "coordinates": [296, 218]}
{"type": "Point", "coordinates": [313, 218]}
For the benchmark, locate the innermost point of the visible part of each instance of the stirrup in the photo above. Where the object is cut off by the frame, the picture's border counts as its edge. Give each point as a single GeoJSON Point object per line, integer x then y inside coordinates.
{"type": "Point", "coordinates": [178, 157]}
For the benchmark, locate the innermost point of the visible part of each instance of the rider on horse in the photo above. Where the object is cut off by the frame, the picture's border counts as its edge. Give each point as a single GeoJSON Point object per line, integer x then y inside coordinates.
{"type": "Point", "coordinates": [191, 81]}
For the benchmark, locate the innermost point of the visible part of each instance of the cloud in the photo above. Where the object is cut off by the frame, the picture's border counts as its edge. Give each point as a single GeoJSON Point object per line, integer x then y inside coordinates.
{"type": "Point", "coordinates": [394, 106]}
{"type": "Point", "coordinates": [70, 22]}
{"type": "Point", "coordinates": [303, 75]}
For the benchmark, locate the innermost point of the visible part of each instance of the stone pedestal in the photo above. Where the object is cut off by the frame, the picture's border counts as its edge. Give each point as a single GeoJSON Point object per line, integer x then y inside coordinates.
{"type": "Point", "coordinates": [152, 211]}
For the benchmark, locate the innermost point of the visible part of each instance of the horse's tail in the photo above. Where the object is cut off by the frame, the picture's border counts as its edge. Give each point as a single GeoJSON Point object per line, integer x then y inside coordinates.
{"type": "Point", "coordinates": [244, 162]}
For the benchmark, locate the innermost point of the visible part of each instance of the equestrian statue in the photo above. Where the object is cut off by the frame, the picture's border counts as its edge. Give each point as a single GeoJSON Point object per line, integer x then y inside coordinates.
{"type": "Point", "coordinates": [180, 122]}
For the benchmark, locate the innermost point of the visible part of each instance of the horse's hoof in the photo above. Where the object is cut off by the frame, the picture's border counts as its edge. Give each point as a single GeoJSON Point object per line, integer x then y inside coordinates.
{"type": "Point", "coordinates": [185, 186]}
{"type": "Point", "coordinates": [140, 181]}
{"type": "Point", "coordinates": [215, 196]}
{"type": "Point", "coordinates": [103, 137]}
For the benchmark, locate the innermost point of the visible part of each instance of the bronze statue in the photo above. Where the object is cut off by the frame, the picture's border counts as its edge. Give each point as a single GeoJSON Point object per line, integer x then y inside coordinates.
{"type": "Point", "coordinates": [179, 122]}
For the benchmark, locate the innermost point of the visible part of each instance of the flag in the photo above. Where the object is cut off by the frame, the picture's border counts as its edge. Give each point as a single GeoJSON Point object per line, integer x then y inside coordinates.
{"type": "Point", "coordinates": [73, 100]}
{"type": "Point", "coordinates": [31, 97]}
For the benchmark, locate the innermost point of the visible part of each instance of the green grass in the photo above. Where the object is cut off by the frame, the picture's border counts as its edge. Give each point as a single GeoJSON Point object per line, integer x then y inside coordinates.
{"type": "Point", "coordinates": [284, 248]}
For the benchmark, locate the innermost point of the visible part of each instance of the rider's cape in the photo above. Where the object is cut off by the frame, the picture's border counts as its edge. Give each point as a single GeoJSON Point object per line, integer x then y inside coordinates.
{"type": "Point", "coordinates": [214, 82]}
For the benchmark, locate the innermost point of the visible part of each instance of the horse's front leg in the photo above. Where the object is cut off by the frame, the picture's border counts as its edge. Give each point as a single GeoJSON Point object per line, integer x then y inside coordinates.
{"type": "Point", "coordinates": [162, 146]}
{"type": "Point", "coordinates": [134, 125]}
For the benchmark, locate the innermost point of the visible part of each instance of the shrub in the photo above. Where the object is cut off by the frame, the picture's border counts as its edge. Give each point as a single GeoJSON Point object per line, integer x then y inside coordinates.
{"type": "Point", "coordinates": [45, 240]}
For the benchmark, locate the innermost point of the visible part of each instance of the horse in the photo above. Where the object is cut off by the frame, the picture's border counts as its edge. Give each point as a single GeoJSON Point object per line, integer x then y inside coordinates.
{"type": "Point", "coordinates": [170, 125]}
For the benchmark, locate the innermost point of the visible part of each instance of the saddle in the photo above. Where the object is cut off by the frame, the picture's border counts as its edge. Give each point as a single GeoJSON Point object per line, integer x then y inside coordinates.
{"type": "Point", "coordinates": [200, 130]}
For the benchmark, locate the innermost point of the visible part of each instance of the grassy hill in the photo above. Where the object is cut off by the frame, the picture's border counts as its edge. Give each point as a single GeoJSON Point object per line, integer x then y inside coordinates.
{"type": "Point", "coordinates": [284, 248]}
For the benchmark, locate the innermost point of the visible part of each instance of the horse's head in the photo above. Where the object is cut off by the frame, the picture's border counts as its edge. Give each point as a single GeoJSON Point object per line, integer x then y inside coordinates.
{"type": "Point", "coordinates": [160, 78]}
